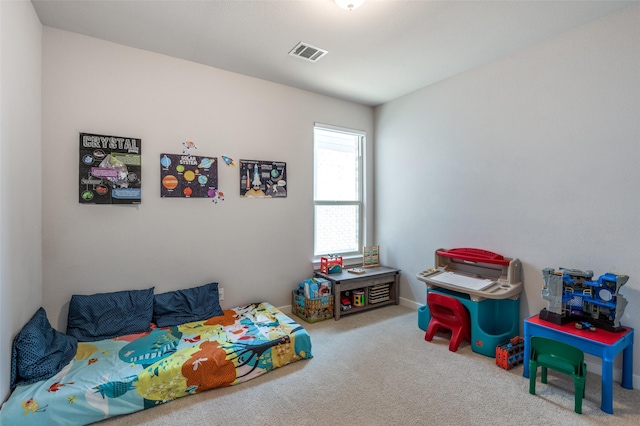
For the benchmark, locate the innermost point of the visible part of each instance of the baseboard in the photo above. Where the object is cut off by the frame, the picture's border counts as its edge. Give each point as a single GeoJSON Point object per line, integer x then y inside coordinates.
{"type": "Point", "coordinates": [410, 304]}
{"type": "Point", "coordinates": [285, 308]}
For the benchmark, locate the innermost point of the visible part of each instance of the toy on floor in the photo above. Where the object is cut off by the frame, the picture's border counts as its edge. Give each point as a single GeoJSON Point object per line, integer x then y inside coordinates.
{"type": "Point", "coordinates": [573, 295]}
{"type": "Point", "coordinates": [510, 354]}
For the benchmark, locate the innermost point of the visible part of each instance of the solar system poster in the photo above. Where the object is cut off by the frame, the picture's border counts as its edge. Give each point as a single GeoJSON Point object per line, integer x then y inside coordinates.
{"type": "Point", "coordinates": [263, 179]}
{"type": "Point", "coordinates": [110, 169]}
{"type": "Point", "coordinates": [188, 176]}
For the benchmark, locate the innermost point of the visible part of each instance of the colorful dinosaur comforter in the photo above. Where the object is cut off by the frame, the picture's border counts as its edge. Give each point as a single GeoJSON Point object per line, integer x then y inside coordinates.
{"type": "Point", "coordinates": [130, 373]}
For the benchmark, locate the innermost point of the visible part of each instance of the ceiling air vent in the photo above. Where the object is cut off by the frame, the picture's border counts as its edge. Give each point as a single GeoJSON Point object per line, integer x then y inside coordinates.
{"type": "Point", "coordinates": [307, 52]}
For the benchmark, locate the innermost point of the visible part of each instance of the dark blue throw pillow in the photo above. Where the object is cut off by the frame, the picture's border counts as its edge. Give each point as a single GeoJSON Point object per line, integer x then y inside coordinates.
{"type": "Point", "coordinates": [183, 306]}
{"type": "Point", "coordinates": [108, 315]}
{"type": "Point", "coordinates": [39, 351]}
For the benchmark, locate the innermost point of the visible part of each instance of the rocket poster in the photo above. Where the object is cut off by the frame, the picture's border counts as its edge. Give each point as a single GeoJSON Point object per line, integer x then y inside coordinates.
{"type": "Point", "coordinates": [263, 179]}
{"type": "Point", "coordinates": [188, 176]}
{"type": "Point", "coordinates": [110, 169]}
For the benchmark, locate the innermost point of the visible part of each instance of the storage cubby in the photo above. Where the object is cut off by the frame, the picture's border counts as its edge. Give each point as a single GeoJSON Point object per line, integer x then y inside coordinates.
{"type": "Point", "coordinates": [381, 287]}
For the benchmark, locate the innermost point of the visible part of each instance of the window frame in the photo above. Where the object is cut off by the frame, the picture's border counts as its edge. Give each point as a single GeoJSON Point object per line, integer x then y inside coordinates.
{"type": "Point", "coordinates": [361, 190]}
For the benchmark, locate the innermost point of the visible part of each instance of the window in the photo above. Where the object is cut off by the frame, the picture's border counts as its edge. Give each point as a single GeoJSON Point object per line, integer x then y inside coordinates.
{"type": "Point", "coordinates": [338, 189]}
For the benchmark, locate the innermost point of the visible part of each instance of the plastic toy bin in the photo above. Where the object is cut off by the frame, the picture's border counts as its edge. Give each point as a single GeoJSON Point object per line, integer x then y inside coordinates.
{"type": "Point", "coordinates": [493, 321]}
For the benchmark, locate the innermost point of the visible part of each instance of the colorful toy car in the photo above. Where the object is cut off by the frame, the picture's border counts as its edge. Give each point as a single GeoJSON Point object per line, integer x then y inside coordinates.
{"type": "Point", "coordinates": [345, 303]}
{"type": "Point", "coordinates": [585, 325]}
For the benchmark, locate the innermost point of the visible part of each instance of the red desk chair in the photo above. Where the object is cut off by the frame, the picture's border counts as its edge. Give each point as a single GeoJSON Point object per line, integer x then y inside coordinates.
{"type": "Point", "coordinates": [450, 314]}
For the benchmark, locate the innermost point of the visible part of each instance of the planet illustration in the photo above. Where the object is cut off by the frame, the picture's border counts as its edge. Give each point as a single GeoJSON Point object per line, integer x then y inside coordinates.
{"type": "Point", "coordinates": [180, 168]}
{"type": "Point", "coordinates": [87, 159]}
{"type": "Point", "coordinates": [275, 173]}
{"type": "Point", "coordinates": [99, 154]}
{"type": "Point", "coordinates": [170, 182]}
{"type": "Point", "coordinates": [189, 175]}
{"type": "Point", "coordinates": [165, 161]}
{"type": "Point", "coordinates": [202, 179]}
{"type": "Point", "coordinates": [187, 192]}
{"type": "Point", "coordinates": [206, 163]}
{"type": "Point", "coordinates": [102, 190]}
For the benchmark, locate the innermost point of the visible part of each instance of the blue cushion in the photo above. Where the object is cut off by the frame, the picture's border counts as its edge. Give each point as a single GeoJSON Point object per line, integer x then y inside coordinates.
{"type": "Point", "coordinates": [183, 306]}
{"type": "Point", "coordinates": [107, 315]}
{"type": "Point", "coordinates": [39, 352]}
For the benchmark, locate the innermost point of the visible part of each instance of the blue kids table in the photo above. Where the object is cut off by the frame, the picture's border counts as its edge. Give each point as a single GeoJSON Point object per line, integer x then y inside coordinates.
{"type": "Point", "coordinates": [600, 343]}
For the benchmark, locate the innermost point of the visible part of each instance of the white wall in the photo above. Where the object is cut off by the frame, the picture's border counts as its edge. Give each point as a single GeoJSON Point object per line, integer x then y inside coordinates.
{"type": "Point", "coordinates": [20, 175]}
{"type": "Point", "coordinates": [257, 249]}
{"type": "Point", "coordinates": [534, 156]}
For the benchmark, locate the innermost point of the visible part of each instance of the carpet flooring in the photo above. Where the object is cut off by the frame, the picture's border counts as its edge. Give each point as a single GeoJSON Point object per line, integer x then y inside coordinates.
{"type": "Point", "coordinates": [375, 368]}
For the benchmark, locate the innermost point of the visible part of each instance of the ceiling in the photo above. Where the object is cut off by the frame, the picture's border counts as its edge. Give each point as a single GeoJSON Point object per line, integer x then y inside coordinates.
{"type": "Point", "coordinates": [378, 52]}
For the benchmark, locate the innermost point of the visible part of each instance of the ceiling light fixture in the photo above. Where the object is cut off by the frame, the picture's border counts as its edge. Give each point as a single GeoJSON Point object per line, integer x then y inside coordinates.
{"type": "Point", "coordinates": [349, 4]}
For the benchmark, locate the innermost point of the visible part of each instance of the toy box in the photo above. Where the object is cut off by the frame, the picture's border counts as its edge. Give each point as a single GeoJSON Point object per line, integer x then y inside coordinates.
{"type": "Point", "coordinates": [312, 310]}
{"type": "Point", "coordinates": [510, 354]}
{"type": "Point", "coordinates": [331, 264]}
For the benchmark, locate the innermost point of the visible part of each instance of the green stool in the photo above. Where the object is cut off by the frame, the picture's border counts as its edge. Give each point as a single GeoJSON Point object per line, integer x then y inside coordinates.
{"type": "Point", "coordinates": [561, 357]}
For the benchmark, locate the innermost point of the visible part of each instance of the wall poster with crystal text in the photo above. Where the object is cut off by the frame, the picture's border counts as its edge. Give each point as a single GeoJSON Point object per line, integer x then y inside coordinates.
{"type": "Point", "coordinates": [110, 169]}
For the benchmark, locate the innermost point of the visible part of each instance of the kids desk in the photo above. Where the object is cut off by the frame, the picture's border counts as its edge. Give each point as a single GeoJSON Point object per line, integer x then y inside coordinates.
{"type": "Point", "coordinates": [601, 343]}
{"type": "Point", "coordinates": [487, 284]}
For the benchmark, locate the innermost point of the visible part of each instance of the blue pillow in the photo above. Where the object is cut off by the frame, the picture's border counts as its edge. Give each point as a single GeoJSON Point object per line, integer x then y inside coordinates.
{"type": "Point", "coordinates": [183, 306]}
{"type": "Point", "coordinates": [108, 315]}
{"type": "Point", "coordinates": [39, 352]}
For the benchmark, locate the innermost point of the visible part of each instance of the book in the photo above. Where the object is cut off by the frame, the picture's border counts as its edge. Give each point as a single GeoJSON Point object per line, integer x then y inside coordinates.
{"type": "Point", "coordinates": [356, 270]}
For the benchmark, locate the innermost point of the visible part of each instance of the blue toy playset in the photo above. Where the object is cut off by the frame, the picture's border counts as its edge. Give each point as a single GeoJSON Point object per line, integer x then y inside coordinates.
{"type": "Point", "coordinates": [573, 295]}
